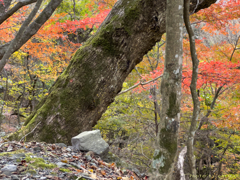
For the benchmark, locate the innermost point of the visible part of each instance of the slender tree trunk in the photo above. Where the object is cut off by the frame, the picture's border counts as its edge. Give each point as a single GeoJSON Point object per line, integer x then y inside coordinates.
{"type": "Point", "coordinates": [96, 72]}
{"type": "Point", "coordinates": [165, 154]}
{"type": "Point", "coordinates": [193, 87]}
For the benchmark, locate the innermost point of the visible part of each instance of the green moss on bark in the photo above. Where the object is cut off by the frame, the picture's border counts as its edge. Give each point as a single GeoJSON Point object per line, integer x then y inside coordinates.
{"type": "Point", "coordinates": [105, 41]}
{"type": "Point", "coordinates": [131, 15]}
{"type": "Point", "coordinates": [173, 109]}
{"type": "Point", "coordinates": [168, 141]}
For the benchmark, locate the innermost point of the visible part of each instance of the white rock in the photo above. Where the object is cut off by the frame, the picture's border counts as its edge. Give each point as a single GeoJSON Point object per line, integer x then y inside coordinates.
{"type": "Point", "coordinates": [90, 141]}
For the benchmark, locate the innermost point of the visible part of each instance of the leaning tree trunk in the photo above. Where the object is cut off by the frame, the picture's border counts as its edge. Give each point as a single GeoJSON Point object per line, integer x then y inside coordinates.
{"type": "Point", "coordinates": [166, 150]}
{"type": "Point", "coordinates": [97, 70]}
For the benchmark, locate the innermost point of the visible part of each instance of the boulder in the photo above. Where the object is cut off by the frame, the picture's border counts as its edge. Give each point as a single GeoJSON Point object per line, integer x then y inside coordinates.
{"type": "Point", "coordinates": [90, 141]}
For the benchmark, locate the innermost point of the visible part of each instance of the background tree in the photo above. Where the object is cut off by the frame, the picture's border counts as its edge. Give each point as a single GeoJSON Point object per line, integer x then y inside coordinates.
{"type": "Point", "coordinates": [167, 140]}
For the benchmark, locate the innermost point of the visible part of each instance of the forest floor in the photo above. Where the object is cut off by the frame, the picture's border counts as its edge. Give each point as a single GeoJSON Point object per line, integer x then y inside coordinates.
{"type": "Point", "coordinates": [35, 160]}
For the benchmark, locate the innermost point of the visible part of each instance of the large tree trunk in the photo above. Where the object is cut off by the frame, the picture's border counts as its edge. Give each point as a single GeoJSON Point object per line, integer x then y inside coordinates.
{"type": "Point", "coordinates": [166, 150]}
{"type": "Point", "coordinates": [97, 70]}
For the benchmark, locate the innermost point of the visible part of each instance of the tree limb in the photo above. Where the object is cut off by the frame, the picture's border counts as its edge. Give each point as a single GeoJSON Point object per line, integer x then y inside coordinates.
{"type": "Point", "coordinates": [11, 48]}
{"type": "Point", "coordinates": [140, 83]}
{"type": "Point", "coordinates": [10, 12]}
{"type": "Point", "coordinates": [33, 27]}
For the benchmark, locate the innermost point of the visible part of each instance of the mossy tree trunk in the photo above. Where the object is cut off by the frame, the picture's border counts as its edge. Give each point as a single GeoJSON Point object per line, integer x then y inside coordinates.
{"type": "Point", "coordinates": [97, 70]}
{"type": "Point", "coordinates": [166, 150]}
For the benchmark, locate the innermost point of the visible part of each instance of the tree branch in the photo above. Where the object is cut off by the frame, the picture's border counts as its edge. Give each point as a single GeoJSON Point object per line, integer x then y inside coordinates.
{"type": "Point", "coordinates": [140, 83]}
{"type": "Point", "coordinates": [33, 27]}
{"type": "Point", "coordinates": [235, 48]}
{"type": "Point", "coordinates": [11, 48]}
{"type": "Point", "coordinates": [10, 12]}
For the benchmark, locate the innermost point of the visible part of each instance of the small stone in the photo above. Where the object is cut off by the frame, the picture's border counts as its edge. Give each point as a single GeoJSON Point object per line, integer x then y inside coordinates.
{"type": "Point", "coordinates": [3, 162]}
{"type": "Point", "coordinates": [61, 175]}
{"type": "Point", "coordinates": [69, 150]}
{"type": "Point", "coordinates": [37, 149]}
{"type": "Point", "coordinates": [89, 158]}
{"type": "Point", "coordinates": [61, 145]}
{"type": "Point", "coordinates": [8, 169]}
{"type": "Point", "coordinates": [80, 164]}
{"type": "Point", "coordinates": [37, 177]}
{"type": "Point", "coordinates": [93, 164]}
{"type": "Point", "coordinates": [14, 177]}
{"type": "Point", "coordinates": [70, 147]}
{"type": "Point", "coordinates": [42, 178]}
{"type": "Point", "coordinates": [2, 134]}
{"type": "Point", "coordinates": [61, 164]}
{"type": "Point", "coordinates": [18, 156]}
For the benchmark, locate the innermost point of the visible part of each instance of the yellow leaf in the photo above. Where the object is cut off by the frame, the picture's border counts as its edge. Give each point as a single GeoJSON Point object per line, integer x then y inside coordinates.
{"type": "Point", "coordinates": [64, 160]}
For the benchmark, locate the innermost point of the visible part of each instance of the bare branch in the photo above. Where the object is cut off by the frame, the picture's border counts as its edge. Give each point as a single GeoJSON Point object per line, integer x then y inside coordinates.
{"type": "Point", "coordinates": [19, 34]}
{"type": "Point", "coordinates": [140, 83]}
{"type": "Point", "coordinates": [33, 27]}
{"type": "Point", "coordinates": [235, 48]}
{"type": "Point", "coordinates": [10, 12]}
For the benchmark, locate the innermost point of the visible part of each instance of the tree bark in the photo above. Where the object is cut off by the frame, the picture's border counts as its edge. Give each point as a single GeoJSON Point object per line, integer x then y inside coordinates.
{"type": "Point", "coordinates": [166, 150]}
{"type": "Point", "coordinates": [96, 72]}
